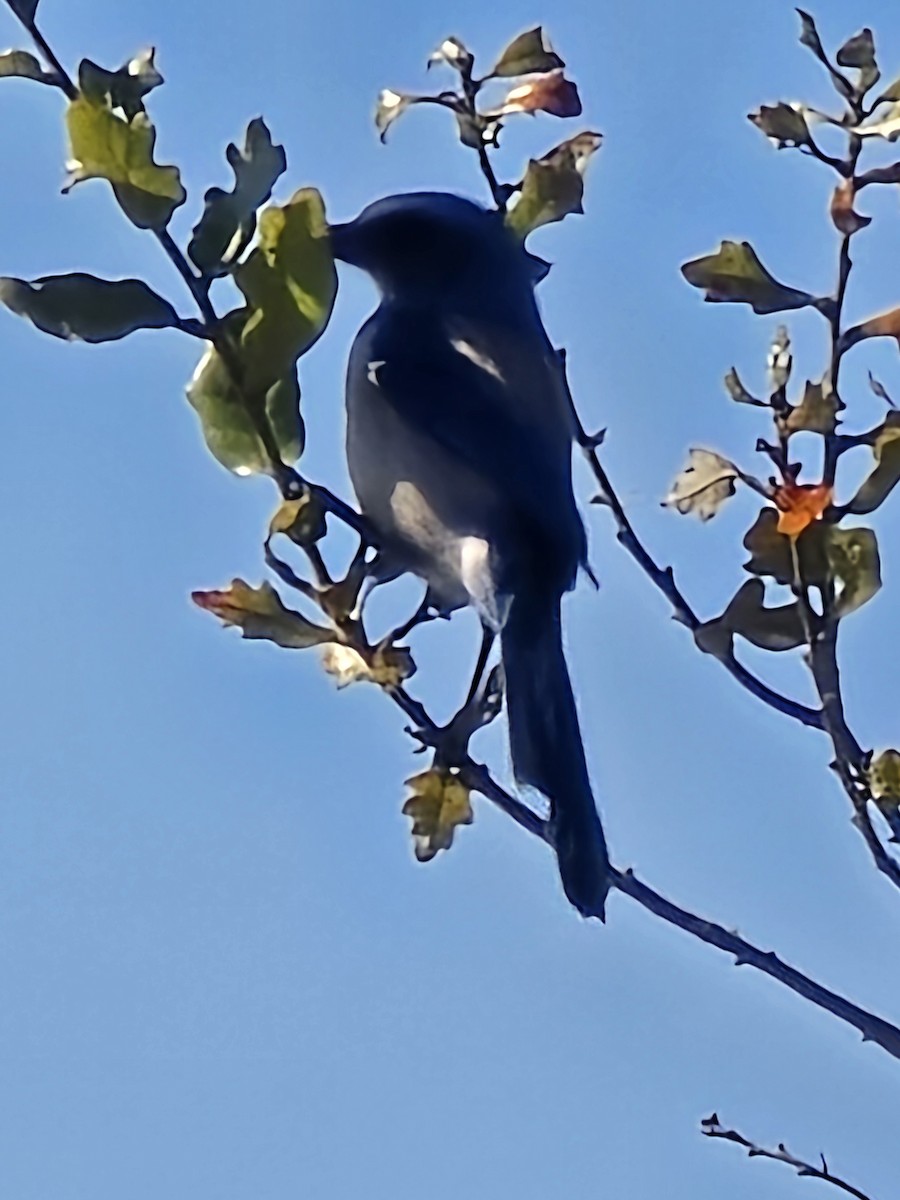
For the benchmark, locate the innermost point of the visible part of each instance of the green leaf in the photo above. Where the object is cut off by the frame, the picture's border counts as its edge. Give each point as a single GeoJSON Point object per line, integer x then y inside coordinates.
{"type": "Point", "coordinates": [770, 551]}
{"type": "Point", "coordinates": [735, 275]}
{"type": "Point", "coordinates": [882, 481]}
{"type": "Point", "coordinates": [809, 35]}
{"type": "Point", "coordinates": [228, 218]}
{"type": "Point", "coordinates": [260, 615]}
{"type": "Point", "coordinates": [527, 54]}
{"type": "Point", "coordinates": [774, 629]}
{"type": "Point", "coordinates": [854, 559]}
{"type": "Point", "coordinates": [704, 485]}
{"type": "Point", "coordinates": [739, 393]}
{"type": "Point", "coordinates": [289, 282]}
{"type": "Point", "coordinates": [816, 412]}
{"type": "Point", "coordinates": [859, 52]}
{"type": "Point", "coordinates": [105, 146]}
{"type": "Point", "coordinates": [890, 93]}
{"type": "Point", "coordinates": [24, 65]}
{"type": "Point", "coordinates": [81, 307]}
{"type": "Point", "coordinates": [782, 123]}
{"type": "Point", "coordinates": [477, 130]}
{"type": "Point", "coordinates": [125, 88]}
{"type": "Point", "coordinates": [226, 416]}
{"type": "Point", "coordinates": [553, 185]}
{"type": "Point", "coordinates": [303, 520]}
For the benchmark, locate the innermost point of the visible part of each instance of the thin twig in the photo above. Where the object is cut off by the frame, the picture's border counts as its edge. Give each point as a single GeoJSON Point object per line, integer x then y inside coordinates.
{"type": "Point", "coordinates": [664, 578]}
{"type": "Point", "coordinates": [711, 1128]}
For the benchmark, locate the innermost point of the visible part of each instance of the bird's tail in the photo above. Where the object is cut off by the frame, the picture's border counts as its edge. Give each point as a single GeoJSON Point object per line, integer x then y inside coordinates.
{"type": "Point", "coordinates": [547, 750]}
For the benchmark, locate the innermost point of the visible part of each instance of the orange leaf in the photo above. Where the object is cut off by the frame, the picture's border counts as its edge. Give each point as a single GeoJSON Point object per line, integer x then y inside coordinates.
{"type": "Point", "coordinates": [800, 504]}
{"type": "Point", "coordinates": [551, 93]}
{"type": "Point", "coordinates": [846, 220]}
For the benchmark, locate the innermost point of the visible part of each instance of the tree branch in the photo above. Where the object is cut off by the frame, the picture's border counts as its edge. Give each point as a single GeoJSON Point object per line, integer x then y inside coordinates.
{"type": "Point", "coordinates": [664, 579]}
{"type": "Point", "coordinates": [821, 632]}
{"type": "Point", "coordinates": [711, 1128]}
{"type": "Point", "coordinates": [477, 777]}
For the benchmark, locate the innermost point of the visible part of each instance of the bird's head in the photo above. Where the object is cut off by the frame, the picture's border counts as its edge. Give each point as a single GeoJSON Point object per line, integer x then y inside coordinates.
{"type": "Point", "coordinates": [427, 240]}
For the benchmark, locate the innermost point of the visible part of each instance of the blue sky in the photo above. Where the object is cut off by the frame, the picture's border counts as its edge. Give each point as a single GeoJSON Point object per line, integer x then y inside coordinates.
{"type": "Point", "coordinates": [224, 975]}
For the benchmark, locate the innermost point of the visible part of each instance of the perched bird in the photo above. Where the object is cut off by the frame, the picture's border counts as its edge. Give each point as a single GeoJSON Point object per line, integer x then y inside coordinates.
{"type": "Point", "coordinates": [459, 440]}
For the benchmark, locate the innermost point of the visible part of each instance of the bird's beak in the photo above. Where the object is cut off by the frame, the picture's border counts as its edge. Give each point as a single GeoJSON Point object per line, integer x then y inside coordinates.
{"type": "Point", "coordinates": [345, 242]}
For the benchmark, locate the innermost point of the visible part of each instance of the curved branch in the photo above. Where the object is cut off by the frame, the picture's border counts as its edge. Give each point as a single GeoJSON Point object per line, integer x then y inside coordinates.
{"type": "Point", "coordinates": [477, 777]}
{"type": "Point", "coordinates": [711, 1128]}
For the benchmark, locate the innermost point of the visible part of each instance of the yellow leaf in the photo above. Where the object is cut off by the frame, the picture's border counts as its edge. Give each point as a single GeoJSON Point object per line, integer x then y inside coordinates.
{"type": "Point", "coordinates": [303, 520]}
{"type": "Point", "coordinates": [387, 666]}
{"type": "Point", "coordinates": [106, 146]}
{"type": "Point", "coordinates": [439, 804]}
{"type": "Point", "coordinates": [884, 779]}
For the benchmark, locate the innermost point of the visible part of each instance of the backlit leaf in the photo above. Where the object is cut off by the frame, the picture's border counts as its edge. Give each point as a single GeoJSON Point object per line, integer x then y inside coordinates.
{"type": "Point", "coordinates": [816, 412]}
{"type": "Point", "coordinates": [776, 629]}
{"type": "Point", "coordinates": [228, 428]}
{"type": "Point", "coordinates": [387, 666]}
{"type": "Point", "coordinates": [783, 123]}
{"type": "Point", "coordinates": [390, 106]}
{"type": "Point", "coordinates": [553, 185]}
{"type": "Point", "coordinates": [884, 478]}
{"type": "Point", "coordinates": [24, 65]}
{"type": "Point", "coordinates": [884, 778]}
{"type": "Point", "coordinates": [739, 393]}
{"type": "Point", "coordinates": [770, 551]}
{"type": "Point", "coordinates": [859, 52]}
{"type": "Point", "coordinates": [734, 274]}
{"type": "Point", "coordinates": [452, 53]}
{"type": "Point", "coordinates": [106, 146]}
{"type": "Point", "coordinates": [845, 218]}
{"type": "Point", "coordinates": [853, 555]}
{"type": "Point", "coordinates": [260, 614]}
{"type": "Point", "coordinates": [704, 485]}
{"type": "Point", "coordinates": [81, 307]}
{"type": "Point", "coordinates": [228, 218]}
{"type": "Point", "coordinates": [526, 54]}
{"type": "Point", "coordinates": [551, 93]}
{"type": "Point", "coordinates": [886, 126]}
{"type": "Point", "coordinates": [289, 282]}
{"type": "Point", "coordinates": [799, 504]}
{"type": "Point", "coordinates": [123, 89]}
{"type": "Point", "coordinates": [440, 803]}
{"type": "Point", "coordinates": [303, 520]}
{"type": "Point", "coordinates": [886, 324]}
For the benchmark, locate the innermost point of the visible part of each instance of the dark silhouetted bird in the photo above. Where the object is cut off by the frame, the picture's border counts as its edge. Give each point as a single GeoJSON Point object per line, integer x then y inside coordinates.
{"type": "Point", "coordinates": [459, 440]}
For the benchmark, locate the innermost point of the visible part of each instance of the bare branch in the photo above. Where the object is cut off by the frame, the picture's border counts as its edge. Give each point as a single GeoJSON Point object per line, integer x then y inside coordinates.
{"type": "Point", "coordinates": [711, 1128]}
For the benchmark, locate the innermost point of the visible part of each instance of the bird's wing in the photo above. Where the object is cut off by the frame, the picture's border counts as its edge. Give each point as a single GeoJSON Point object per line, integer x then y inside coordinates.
{"type": "Point", "coordinates": [497, 416]}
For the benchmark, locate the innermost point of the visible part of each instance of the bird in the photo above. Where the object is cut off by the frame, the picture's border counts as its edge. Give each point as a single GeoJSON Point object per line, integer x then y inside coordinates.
{"type": "Point", "coordinates": [459, 444]}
